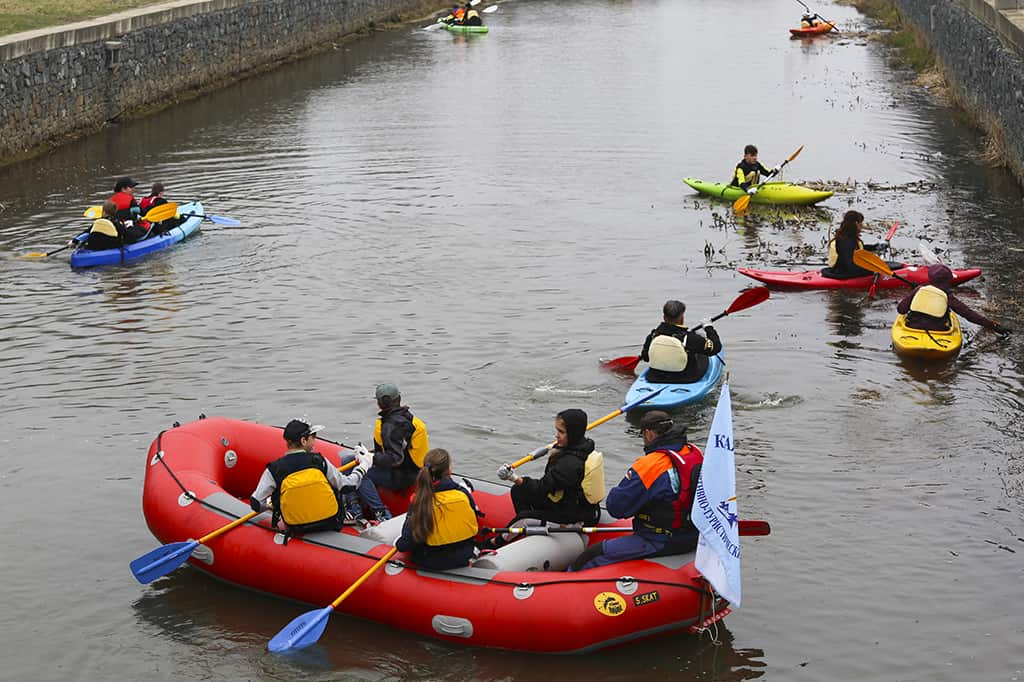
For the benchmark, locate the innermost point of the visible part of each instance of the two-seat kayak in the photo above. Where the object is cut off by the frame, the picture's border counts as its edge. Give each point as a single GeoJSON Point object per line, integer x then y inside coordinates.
{"type": "Point", "coordinates": [778, 193]}
{"type": "Point", "coordinates": [84, 258]}
{"type": "Point", "coordinates": [813, 279]}
{"type": "Point", "coordinates": [461, 28]}
{"type": "Point", "coordinates": [198, 474]}
{"type": "Point", "coordinates": [675, 395]}
{"type": "Point", "coordinates": [924, 344]}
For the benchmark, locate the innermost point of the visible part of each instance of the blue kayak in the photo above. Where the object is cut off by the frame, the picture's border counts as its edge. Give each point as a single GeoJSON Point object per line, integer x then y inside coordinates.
{"type": "Point", "coordinates": [86, 258]}
{"type": "Point", "coordinates": [675, 395]}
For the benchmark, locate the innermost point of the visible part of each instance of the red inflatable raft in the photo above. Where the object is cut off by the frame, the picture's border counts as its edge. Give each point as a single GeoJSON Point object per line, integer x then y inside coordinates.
{"type": "Point", "coordinates": [813, 279]}
{"type": "Point", "coordinates": [519, 598]}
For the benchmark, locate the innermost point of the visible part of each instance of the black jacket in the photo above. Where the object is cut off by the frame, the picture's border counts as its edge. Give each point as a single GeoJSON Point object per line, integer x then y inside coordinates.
{"type": "Point", "coordinates": [698, 347]}
{"type": "Point", "coordinates": [564, 471]}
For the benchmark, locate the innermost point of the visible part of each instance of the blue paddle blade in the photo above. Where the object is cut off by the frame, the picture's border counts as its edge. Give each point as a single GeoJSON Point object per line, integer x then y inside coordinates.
{"type": "Point", "coordinates": [162, 560]}
{"type": "Point", "coordinates": [221, 220]}
{"type": "Point", "coordinates": [301, 632]}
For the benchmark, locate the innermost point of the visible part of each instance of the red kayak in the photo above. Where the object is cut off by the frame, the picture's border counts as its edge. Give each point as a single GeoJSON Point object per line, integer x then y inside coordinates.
{"type": "Point", "coordinates": [813, 30]}
{"type": "Point", "coordinates": [813, 279]}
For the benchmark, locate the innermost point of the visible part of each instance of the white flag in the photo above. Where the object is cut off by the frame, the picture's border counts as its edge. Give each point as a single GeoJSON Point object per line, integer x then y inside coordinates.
{"type": "Point", "coordinates": [714, 512]}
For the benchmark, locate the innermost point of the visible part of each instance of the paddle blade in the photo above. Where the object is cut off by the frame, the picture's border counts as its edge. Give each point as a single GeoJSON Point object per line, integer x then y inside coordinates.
{"type": "Point", "coordinates": [872, 262]}
{"type": "Point", "coordinates": [162, 560]}
{"type": "Point", "coordinates": [222, 220]}
{"type": "Point", "coordinates": [751, 527]}
{"type": "Point", "coordinates": [301, 632]}
{"type": "Point", "coordinates": [741, 203]}
{"type": "Point", "coordinates": [795, 154]}
{"type": "Point", "coordinates": [627, 363]}
{"type": "Point", "coordinates": [93, 212]}
{"type": "Point", "coordinates": [488, 10]}
{"type": "Point", "coordinates": [892, 230]}
{"type": "Point", "coordinates": [161, 213]}
{"type": "Point", "coordinates": [748, 299]}
{"type": "Point", "coordinates": [34, 254]}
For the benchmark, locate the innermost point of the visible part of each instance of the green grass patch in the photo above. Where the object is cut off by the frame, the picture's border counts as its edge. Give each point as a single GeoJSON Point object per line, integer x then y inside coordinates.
{"type": "Point", "coordinates": [910, 49]}
{"type": "Point", "coordinates": [27, 15]}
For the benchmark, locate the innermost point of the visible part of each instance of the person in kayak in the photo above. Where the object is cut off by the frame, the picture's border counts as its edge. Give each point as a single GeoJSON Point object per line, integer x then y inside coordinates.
{"type": "Point", "coordinates": [400, 443]}
{"type": "Point", "coordinates": [841, 248]}
{"type": "Point", "coordinates": [810, 20]}
{"type": "Point", "coordinates": [558, 496]}
{"type": "Point", "coordinates": [676, 354]}
{"type": "Point", "coordinates": [455, 14]}
{"type": "Point", "coordinates": [107, 232]}
{"type": "Point", "coordinates": [128, 210]}
{"type": "Point", "coordinates": [928, 306]}
{"type": "Point", "coordinates": [156, 198]}
{"type": "Point", "coordinates": [304, 488]}
{"type": "Point", "coordinates": [747, 174]}
{"type": "Point", "coordinates": [471, 17]}
{"type": "Point", "coordinates": [442, 520]}
{"type": "Point", "coordinates": [657, 491]}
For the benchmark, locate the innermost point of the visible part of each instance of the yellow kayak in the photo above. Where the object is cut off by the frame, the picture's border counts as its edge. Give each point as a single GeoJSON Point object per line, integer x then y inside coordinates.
{"type": "Point", "coordinates": [927, 345]}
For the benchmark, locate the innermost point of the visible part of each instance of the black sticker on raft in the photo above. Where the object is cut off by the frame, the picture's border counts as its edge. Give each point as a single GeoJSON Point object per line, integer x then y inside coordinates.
{"type": "Point", "coordinates": [645, 598]}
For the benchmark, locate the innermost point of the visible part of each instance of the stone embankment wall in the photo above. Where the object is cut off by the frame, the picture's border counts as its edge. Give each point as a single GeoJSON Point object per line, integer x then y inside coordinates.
{"type": "Point", "coordinates": [980, 44]}
{"type": "Point", "coordinates": [59, 83]}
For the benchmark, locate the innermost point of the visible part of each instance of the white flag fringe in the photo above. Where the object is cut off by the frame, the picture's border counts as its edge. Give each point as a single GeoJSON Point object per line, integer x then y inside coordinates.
{"type": "Point", "coordinates": [715, 512]}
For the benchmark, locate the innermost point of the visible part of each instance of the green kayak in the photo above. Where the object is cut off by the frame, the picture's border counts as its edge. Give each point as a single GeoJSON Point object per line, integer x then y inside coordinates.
{"type": "Point", "coordinates": [769, 192]}
{"type": "Point", "coordinates": [459, 28]}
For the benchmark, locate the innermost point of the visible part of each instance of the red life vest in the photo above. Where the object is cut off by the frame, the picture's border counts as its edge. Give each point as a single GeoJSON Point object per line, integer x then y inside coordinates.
{"type": "Point", "coordinates": [666, 518]}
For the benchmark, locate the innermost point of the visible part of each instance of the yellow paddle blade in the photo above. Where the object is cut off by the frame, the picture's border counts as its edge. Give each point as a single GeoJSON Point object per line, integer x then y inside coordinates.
{"type": "Point", "coordinates": [33, 254]}
{"type": "Point", "coordinates": [741, 203]}
{"type": "Point", "coordinates": [870, 261]}
{"type": "Point", "coordinates": [93, 212]}
{"type": "Point", "coordinates": [795, 154]}
{"type": "Point", "coordinates": [161, 212]}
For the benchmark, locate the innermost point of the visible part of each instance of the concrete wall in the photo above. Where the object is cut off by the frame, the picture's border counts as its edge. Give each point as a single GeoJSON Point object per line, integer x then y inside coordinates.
{"type": "Point", "coordinates": [981, 49]}
{"type": "Point", "coordinates": [59, 83]}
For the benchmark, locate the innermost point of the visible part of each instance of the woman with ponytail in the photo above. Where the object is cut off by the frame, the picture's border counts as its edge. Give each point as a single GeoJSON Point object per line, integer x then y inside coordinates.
{"type": "Point", "coordinates": [441, 523]}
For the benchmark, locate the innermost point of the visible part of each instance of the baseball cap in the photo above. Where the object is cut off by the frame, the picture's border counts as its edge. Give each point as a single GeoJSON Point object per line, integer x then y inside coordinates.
{"type": "Point", "coordinates": [298, 429]}
{"type": "Point", "coordinates": [124, 182]}
{"type": "Point", "coordinates": [656, 420]}
{"type": "Point", "coordinates": [388, 392]}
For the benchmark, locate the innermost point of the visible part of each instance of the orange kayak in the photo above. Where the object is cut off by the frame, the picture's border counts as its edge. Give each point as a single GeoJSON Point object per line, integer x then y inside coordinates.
{"type": "Point", "coordinates": [813, 30]}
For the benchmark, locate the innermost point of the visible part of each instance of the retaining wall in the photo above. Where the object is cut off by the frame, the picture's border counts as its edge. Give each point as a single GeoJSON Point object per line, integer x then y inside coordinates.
{"type": "Point", "coordinates": [63, 82]}
{"type": "Point", "coordinates": [981, 49]}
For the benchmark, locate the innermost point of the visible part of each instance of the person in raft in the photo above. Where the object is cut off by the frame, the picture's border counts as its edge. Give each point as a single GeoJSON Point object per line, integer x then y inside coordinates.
{"type": "Point", "coordinates": [928, 306]}
{"type": "Point", "coordinates": [303, 486]}
{"type": "Point", "coordinates": [400, 443]}
{"type": "Point", "coordinates": [747, 174]}
{"type": "Point", "coordinates": [441, 524]}
{"type": "Point", "coordinates": [657, 492]}
{"type": "Point", "coordinates": [810, 20]}
{"type": "Point", "coordinates": [559, 496]}
{"type": "Point", "coordinates": [128, 210]}
{"type": "Point", "coordinates": [470, 16]}
{"type": "Point", "coordinates": [107, 232]}
{"type": "Point", "coordinates": [842, 246]}
{"type": "Point", "coordinates": [677, 355]}
{"type": "Point", "coordinates": [156, 198]}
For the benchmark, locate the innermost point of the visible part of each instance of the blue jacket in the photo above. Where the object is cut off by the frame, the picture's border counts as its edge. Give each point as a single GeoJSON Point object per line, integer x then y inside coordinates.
{"type": "Point", "coordinates": [439, 557]}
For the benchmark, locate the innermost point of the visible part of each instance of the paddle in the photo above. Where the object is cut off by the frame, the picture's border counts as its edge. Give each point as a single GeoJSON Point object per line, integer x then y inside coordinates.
{"type": "Point", "coordinates": [746, 527]}
{"type": "Point", "coordinates": [888, 237]}
{"type": "Point", "coordinates": [744, 201]}
{"type": "Point", "coordinates": [218, 219]}
{"type": "Point", "coordinates": [154, 215]}
{"type": "Point", "coordinates": [307, 628]}
{"type": "Point", "coordinates": [541, 451]}
{"type": "Point", "coordinates": [927, 254]}
{"type": "Point", "coordinates": [162, 560]}
{"type": "Point", "coordinates": [488, 10]}
{"type": "Point", "coordinates": [831, 23]}
{"type": "Point", "coordinates": [746, 299]}
{"type": "Point", "coordinates": [870, 261]}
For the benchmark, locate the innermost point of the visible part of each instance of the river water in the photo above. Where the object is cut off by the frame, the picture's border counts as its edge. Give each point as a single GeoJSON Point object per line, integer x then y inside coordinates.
{"type": "Point", "coordinates": [482, 221]}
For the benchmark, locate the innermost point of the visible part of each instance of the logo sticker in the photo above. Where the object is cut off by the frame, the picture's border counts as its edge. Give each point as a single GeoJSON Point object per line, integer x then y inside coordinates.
{"type": "Point", "coordinates": [610, 604]}
{"type": "Point", "coordinates": [646, 598]}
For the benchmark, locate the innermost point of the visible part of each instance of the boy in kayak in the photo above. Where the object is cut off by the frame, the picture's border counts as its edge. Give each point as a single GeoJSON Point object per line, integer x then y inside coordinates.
{"type": "Point", "coordinates": [657, 492]}
{"type": "Point", "coordinates": [303, 486]}
{"type": "Point", "coordinates": [810, 20]}
{"type": "Point", "coordinates": [842, 246]}
{"type": "Point", "coordinates": [747, 174]}
{"type": "Point", "coordinates": [106, 232]}
{"type": "Point", "coordinates": [927, 307]}
{"type": "Point", "coordinates": [156, 198]}
{"type": "Point", "coordinates": [128, 210]}
{"type": "Point", "coordinates": [676, 354]}
{"type": "Point", "coordinates": [442, 520]}
{"type": "Point", "coordinates": [455, 15]}
{"type": "Point", "coordinates": [471, 17]}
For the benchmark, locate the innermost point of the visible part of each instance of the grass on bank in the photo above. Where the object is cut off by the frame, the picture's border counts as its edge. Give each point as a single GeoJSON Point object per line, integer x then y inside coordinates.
{"type": "Point", "coordinates": [911, 51]}
{"type": "Point", "coordinates": [27, 15]}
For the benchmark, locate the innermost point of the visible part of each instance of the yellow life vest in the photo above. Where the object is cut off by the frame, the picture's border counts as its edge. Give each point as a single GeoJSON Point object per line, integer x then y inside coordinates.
{"type": "Point", "coordinates": [667, 354]}
{"type": "Point", "coordinates": [454, 518]}
{"type": "Point", "coordinates": [931, 301]}
{"type": "Point", "coordinates": [417, 447]}
{"type": "Point", "coordinates": [104, 226]}
{"type": "Point", "coordinates": [471, 14]}
{"type": "Point", "coordinates": [306, 496]}
{"type": "Point", "coordinates": [833, 254]}
{"type": "Point", "coordinates": [593, 478]}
